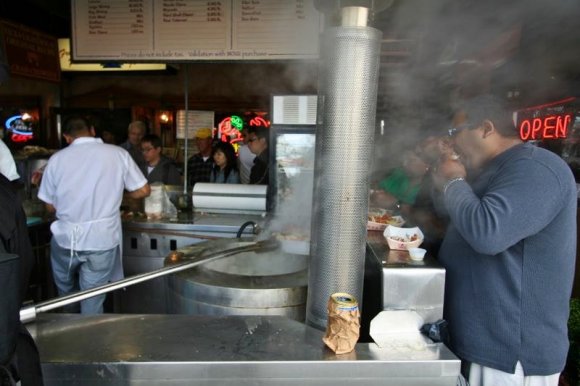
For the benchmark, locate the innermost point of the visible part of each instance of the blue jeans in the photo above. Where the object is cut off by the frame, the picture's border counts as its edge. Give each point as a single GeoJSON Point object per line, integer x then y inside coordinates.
{"type": "Point", "coordinates": [88, 269]}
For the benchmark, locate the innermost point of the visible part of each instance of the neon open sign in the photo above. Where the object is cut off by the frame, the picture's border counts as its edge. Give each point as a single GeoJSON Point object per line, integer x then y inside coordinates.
{"type": "Point", "coordinates": [548, 127]}
{"type": "Point", "coordinates": [547, 121]}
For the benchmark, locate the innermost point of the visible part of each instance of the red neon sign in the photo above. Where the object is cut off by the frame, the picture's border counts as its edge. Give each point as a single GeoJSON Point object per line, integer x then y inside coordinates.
{"type": "Point", "coordinates": [548, 127]}
{"type": "Point", "coordinates": [20, 137]}
{"type": "Point", "coordinates": [228, 132]}
{"type": "Point", "coordinates": [259, 121]}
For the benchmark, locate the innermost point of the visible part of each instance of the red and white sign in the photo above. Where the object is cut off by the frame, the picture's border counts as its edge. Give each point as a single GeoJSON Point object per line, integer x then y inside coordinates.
{"type": "Point", "coordinates": [548, 121]}
{"type": "Point", "coordinates": [549, 127]}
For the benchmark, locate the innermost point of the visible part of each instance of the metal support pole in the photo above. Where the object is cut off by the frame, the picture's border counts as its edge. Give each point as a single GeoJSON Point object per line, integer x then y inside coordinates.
{"type": "Point", "coordinates": [185, 151]}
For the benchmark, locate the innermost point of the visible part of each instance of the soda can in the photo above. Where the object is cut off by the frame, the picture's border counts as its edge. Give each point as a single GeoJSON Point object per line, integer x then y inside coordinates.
{"type": "Point", "coordinates": [343, 326]}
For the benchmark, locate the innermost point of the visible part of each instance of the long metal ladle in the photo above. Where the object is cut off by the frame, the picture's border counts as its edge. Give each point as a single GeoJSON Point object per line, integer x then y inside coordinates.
{"type": "Point", "coordinates": [176, 261]}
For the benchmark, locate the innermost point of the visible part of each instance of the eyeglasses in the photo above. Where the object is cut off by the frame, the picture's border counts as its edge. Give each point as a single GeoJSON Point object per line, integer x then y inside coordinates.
{"type": "Point", "coordinates": [456, 130]}
{"type": "Point", "coordinates": [146, 149]}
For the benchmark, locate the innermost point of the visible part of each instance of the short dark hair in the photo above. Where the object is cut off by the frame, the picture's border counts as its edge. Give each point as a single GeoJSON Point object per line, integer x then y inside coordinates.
{"type": "Point", "coordinates": [153, 139]}
{"type": "Point", "coordinates": [231, 159]}
{"type": "Point", "coordinates": [492, 108]}
{"type": "Point", "coordinates": [76, 125]}
{"type": "Point", "coordinates": [260, 131]}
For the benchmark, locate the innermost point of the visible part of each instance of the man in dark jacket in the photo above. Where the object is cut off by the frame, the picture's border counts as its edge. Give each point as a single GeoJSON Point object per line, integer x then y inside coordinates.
{"type": "Point", "coordinates": [14, 239]}
{"type": "Point", "coordinates": [258, 144]}
{"type": "Point", "coordinates": [200, 165]}
{"type": "Point", "coordinates": [157, 167]}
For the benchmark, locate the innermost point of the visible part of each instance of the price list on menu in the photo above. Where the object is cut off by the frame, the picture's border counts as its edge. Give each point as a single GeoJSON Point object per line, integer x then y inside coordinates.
{"type": "Point", "coordinates": [177, 30]}
{"type": "Point", "coordinates": [181, 26]}
{"type": "Point", "coordinates": [109, 26]}
{"type": "Point", "coordinates": [278, 27]}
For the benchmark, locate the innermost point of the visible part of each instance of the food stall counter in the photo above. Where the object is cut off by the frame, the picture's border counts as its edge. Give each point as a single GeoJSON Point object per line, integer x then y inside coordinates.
{"type": "Point", "coordinates": [407, 284]}
{"type": "Point", "coordinates": [226, 350]}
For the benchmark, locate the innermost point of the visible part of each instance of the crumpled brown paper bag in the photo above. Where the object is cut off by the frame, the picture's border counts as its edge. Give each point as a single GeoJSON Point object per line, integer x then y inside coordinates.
{"type": "Point", "coordinates": [343, 327]}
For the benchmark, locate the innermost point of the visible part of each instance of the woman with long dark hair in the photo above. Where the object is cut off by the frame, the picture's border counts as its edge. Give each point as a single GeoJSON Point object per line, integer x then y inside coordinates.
{"type": "Point", "coordinates": [225, 170]}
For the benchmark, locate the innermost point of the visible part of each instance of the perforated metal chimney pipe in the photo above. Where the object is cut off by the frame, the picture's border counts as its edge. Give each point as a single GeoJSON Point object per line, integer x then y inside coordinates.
{"type": "Point", "coordinates": [349, 70]}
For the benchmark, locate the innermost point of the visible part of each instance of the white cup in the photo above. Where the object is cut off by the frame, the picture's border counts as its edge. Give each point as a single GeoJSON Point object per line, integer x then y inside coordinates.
{"type": "Point", "coordinates": [417, 254]}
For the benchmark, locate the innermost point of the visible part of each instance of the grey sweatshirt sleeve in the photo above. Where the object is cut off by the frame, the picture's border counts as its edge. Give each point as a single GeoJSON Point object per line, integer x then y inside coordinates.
{"type": "Point", "coordinates": [519, 201]}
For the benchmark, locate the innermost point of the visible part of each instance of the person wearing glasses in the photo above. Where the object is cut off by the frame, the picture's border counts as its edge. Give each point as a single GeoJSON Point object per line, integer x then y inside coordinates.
{"type": "Point", "coordinates": [258, 144]}
{"type": "Point", "coordinates": [509, 250]}
{"type": "Point", "coordinates": [157, 167]}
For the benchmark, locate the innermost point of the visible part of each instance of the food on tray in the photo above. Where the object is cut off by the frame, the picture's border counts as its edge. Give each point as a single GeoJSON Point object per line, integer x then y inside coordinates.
{"type": "Point", "coordinates": [406, 238]}
{"type": "Point", "coordinates": [379, 219]}
{"type": "Point", "coordinates": [291, 236]}
{"type": "Point", "coordinates": [34, 150]}
{"type": "Point", "coordinates": [294, 239]}
{"type": "Point", "coordinates": [403, 238]}
{"type": "Point", "coordinates": [292, 233]}
{"type": "Point", "coordinates": [130, 215]}
{"type": "Point", "coordinates": [385, 218]}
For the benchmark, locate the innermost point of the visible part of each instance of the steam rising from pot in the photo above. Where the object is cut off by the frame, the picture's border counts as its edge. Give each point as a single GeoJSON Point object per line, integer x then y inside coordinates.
{"type": "Point", "coordinates": [436, 53]}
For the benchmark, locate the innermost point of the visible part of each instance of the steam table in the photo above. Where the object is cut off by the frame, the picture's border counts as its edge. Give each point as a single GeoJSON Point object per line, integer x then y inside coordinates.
{"type": "Point", "coordinates": [146, 243]}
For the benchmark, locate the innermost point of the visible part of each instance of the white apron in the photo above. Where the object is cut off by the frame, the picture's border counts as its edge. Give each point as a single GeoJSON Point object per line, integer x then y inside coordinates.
{"type": "Point", "coordinates": [77, 237]}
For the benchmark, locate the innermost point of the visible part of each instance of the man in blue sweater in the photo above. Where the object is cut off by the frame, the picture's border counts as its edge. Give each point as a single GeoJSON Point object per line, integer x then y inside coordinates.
{"type": "Point", "coordinates": [509, 251]}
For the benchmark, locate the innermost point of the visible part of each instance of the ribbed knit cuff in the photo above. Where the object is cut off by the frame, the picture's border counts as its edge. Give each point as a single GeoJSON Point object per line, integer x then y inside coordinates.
{"type": "Point", "coordinates": [451, 182]}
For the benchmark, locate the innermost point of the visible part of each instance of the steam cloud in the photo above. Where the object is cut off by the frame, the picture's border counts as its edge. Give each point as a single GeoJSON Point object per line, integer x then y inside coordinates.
{"type": "Point", "coordinates": [525, 50]}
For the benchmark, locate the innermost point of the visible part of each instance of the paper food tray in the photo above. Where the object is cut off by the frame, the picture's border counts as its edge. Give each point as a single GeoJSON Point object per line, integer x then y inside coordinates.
{"type": "Point", "coordinates": [405, 233]}
{"type": "Point", "coordinates": [396, 220]}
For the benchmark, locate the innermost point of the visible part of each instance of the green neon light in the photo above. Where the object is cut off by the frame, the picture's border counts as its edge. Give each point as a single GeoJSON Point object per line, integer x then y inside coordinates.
{"type": "Point", "coordinates": [237, 122]}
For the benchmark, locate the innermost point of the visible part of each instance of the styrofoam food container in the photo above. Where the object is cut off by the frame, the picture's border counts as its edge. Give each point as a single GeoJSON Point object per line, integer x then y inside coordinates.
{"type": "Point", "coordinates": [297, 247]}
{"type": "Point", "coordinates": [417, 254]}
{"type": "Point", "coordinates": [398, 329]}
{"type": "Point", "coordinates": [405, 233]}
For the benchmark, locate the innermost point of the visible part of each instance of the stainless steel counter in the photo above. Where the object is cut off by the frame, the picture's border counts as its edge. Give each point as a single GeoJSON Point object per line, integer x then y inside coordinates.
{"type": "Point", "coordinates": [408, 284]}
{"type": "Point", "coordinates": [198, 223]}
{"type": "Point", "coordinates": [229, 350]}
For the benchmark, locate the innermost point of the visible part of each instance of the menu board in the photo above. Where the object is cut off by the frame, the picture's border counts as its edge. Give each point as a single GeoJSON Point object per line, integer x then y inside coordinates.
{"type": "Point", "coordinates": [181, 30]}
{"type": "Point", "coordinates": [29, 53]}
{"type": "Point", "coordinates": [196, 119]}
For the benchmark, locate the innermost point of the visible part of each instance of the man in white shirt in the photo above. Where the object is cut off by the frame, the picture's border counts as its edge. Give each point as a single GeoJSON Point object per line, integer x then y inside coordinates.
{"type": "Point", "coordinates": [84, 185]}
{"type": "Point", "coordinates": [7, 165]}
